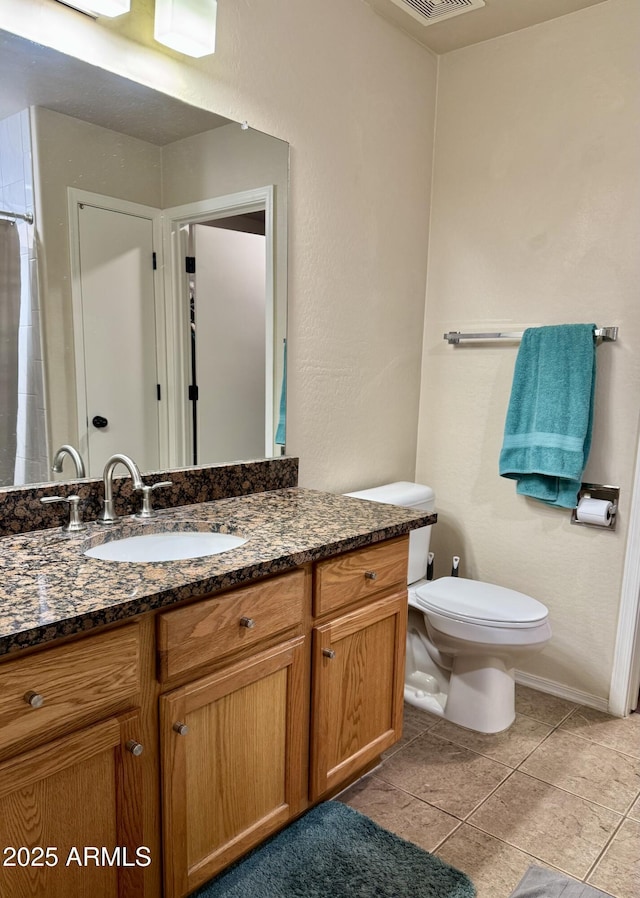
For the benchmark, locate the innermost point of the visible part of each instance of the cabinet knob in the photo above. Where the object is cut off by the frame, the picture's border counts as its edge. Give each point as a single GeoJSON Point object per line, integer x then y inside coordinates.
{"type": "Point", "coordinates": [370, 575]}
{"type": "Point", "coordinates": [247, 622]}
{"type": "Point", "coordinates": [181, 729]}
{"type": "Point", "coordinates": [134, 747]}
{"type": "Point", "coordinates": [34, 699]}
{"type": "Point", "coordinates": [328, 653]}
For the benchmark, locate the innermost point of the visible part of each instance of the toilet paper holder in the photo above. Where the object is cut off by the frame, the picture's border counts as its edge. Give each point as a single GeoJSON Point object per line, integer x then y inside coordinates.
{"type": "Point", "coordinates": [598, 491]}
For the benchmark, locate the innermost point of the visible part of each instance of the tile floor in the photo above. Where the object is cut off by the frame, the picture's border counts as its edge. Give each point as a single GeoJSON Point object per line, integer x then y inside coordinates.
{"type": "Point", "coordinates": [561, 789]}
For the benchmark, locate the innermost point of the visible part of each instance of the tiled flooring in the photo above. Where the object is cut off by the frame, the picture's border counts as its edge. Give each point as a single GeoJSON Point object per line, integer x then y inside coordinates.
{"type": "Point", "coordinates": [561, 789]}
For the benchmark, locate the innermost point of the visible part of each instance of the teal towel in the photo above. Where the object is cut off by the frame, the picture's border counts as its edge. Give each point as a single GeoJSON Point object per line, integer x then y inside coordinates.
{"type": "Point", "coordinates": [281, 432]}
{"type": "Point", "coordinates": [547, 434]}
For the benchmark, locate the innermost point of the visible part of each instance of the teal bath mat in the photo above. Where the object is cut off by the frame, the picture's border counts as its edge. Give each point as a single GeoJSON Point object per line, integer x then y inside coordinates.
{"type": "Point", "coordinates": [336, 852]}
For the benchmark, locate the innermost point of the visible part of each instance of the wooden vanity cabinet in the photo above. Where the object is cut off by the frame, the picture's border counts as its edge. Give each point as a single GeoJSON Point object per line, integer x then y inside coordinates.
{"type": "Point", "coordinates": [70, 770]}
{"type": "Point", "coordinates": [70, 816]}
{"type": "Point", "coordinates": [358, 662]}
{"type": "Point", "coordinates": [234, 752]}
{"type": "Point", "coordinates": [358, 686]}
{"type": "Point", "coordinates": [252, 705]}
{"type": "Point", "coordinates": [234, 743]}
{"type": "Point", "coordinates": [59, 689]}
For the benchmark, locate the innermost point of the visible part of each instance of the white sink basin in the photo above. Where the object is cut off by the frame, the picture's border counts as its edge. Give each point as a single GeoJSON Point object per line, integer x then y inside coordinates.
{"type": "Point", "coordinates": [174, 545]}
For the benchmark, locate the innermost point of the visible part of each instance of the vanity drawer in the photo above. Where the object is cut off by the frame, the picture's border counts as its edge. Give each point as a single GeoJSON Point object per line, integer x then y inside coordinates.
{"type": "Point", "coordinates": [205, 631]}
{"type": "Point", "coordinates": [355, 575]}
{"type": "Point", "coordinates": [59, 689]}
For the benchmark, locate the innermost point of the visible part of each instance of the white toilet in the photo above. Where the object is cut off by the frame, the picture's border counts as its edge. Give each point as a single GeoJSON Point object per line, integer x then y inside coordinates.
{"type": "Point", "coordinates": [464, 637]}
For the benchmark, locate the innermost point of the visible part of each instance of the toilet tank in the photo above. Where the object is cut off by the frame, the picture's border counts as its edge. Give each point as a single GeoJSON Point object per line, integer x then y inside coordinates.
{"type": "Point", "coordinates": [409, 495]}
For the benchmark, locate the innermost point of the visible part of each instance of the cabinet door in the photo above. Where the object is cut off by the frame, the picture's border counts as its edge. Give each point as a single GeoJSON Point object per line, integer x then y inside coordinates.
{"type": "Point", "coordinates": [358, 686]}
{"type": "Point", "coordinates": [234, 762]}
{"type": "Point", "coordinates": [72, 812]}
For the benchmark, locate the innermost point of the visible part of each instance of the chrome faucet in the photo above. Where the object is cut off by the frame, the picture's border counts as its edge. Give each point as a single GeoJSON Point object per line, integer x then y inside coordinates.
{"type": "Point", "coordinates": [107, 515]}
{"type": "Point", "coordinates": [74, 455]}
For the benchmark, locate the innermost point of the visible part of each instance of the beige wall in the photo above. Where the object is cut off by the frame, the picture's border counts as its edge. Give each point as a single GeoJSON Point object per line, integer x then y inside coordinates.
{"type": "Point", "coordinates": [535, 220]}
{"type": "Point", "coordinates": [355, 99]}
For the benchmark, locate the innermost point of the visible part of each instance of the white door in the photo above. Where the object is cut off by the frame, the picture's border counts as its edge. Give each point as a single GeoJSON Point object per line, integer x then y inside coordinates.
{"type": "Point", "coordinates": [230, 340]}
{"type": "Point", "coordinates": [119, 337]}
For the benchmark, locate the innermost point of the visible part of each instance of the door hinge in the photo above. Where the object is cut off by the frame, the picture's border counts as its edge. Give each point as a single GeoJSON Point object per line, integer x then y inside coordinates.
{"type": "Point", "coordinates": [193, 392]}
{"type": "Point", "coordinates": [190, 264]}
{"type": "Point", "coordinates": [154, 261]}
{"type": "Point", "coordinates": [159, 392]}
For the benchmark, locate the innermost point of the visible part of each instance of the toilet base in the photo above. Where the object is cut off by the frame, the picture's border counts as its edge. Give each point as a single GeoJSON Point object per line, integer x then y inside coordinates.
{"type": "Point", "coordinates": [481, 694]}
{"type": "Point", "coordinates": [478, 693]}
{"type": "Point", "coordinates": [479, 699]}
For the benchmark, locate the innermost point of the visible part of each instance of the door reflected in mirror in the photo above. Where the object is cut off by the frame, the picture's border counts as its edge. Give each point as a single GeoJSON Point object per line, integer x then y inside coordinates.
{"type": "Point", "coordinates": [120, 345]}
{"type": "Point", "coordinates": [228, 303]}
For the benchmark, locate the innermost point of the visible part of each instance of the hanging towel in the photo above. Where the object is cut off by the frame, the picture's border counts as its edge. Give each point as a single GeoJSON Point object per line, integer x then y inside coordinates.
{"type": "Point", "coordinates": [547, 434]}
{"type": "Point", "coordinates": [281, 432]}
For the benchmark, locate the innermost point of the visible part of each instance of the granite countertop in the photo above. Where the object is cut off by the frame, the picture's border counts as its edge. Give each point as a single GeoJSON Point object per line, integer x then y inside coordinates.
{"type": "Point", "coordinates": [50, 589]}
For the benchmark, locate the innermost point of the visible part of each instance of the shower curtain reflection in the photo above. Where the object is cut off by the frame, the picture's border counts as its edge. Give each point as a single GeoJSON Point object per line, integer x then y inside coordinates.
{"type": "Point", "coordinates": [24, 454]}
{"type": "Point", "coordinates": [9, 325]}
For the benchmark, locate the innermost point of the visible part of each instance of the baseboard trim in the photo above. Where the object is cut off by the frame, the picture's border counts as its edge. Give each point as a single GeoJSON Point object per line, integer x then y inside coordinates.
{"type": "Point", "coordinates": [561, 691]}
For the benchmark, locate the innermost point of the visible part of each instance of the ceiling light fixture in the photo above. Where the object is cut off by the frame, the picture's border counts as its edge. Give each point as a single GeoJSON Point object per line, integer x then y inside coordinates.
{"type": "Point", "coordinates": [188, 26]}
{"type": "Point", "coordinates": [108, 8]}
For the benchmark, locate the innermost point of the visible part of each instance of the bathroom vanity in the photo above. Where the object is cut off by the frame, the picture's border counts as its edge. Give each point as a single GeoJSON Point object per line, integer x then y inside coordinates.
{"type": "Point", "coordinates": [159, 720]}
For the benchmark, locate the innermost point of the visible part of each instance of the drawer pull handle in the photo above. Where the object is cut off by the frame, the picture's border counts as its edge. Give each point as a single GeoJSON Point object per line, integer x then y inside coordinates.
{"type": "Point", "coordinates": [34, 699]}
{"type": "Point", "coordinates": [247, 622]}
{"type": "Point", "coordinates": [134, 747]}
{"type": "Point", "coordinates": [328, 653]}
{"type": "Point", "coordinates": [181, 729]}
{"type": "Point", "coordinates": [370, 575]}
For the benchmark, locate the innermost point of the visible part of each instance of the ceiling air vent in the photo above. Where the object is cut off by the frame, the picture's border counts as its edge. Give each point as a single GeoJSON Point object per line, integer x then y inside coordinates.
{"type": "Point", "coordinates": [428, 12]}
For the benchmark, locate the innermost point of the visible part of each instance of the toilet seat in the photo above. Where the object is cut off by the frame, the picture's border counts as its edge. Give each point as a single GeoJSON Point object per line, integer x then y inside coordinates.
{"type": "Point", "coordinates": [483, 604]}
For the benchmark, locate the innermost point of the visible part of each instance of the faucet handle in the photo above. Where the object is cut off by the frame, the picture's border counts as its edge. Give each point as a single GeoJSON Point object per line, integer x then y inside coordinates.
{"type": "Point", "coordinates": [146, 511]}
{"type": "Point", "coordinates": [75, 525]}
{"type": "Point", "coordinates": [160, 484]}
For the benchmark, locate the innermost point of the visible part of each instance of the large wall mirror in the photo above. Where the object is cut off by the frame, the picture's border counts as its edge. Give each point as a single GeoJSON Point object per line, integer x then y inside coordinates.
{"type": "Point", "coordinates": [143, 274]}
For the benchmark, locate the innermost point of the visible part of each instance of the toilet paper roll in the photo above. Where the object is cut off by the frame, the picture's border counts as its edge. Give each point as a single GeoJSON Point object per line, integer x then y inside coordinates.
{"type": "Point", "coordinates": [595, 511]}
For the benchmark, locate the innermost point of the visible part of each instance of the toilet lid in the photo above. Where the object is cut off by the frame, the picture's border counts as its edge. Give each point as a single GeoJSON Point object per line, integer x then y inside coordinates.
{"type": "Point", "coordinates": [458, 598]}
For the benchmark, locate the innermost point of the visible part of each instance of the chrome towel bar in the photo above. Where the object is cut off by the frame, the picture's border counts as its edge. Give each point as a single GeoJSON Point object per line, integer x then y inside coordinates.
{"type": "Point", "coordinates": [608, 334]}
